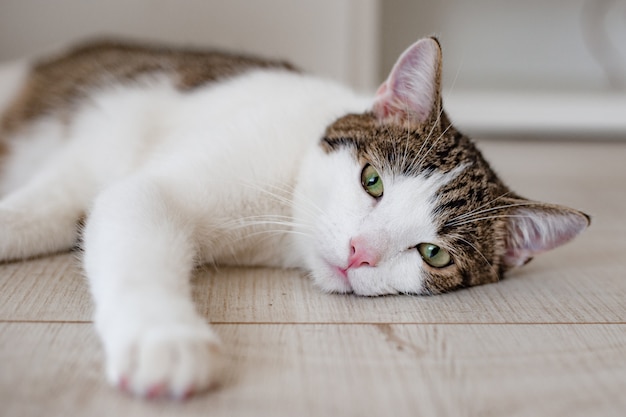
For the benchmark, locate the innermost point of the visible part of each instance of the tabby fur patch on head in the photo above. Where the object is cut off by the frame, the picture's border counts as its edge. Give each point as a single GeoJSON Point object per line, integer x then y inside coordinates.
{"type": "Point", "coordinates": [484, 227]}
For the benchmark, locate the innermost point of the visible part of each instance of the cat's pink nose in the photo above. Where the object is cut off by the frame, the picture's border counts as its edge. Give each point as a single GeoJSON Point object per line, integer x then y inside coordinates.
{"type": "Point", "coordinates": [362, 254]}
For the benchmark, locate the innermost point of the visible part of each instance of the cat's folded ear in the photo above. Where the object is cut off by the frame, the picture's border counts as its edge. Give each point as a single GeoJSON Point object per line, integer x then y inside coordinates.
{"type": "Point", "coordinates": [411, 93]}
{"type": "Point", "coordinates": [534, 228]}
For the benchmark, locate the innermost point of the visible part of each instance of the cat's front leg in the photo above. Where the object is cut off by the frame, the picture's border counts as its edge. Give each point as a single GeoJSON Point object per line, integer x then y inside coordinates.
{"type": "Point", "coordinates": [139, 252]}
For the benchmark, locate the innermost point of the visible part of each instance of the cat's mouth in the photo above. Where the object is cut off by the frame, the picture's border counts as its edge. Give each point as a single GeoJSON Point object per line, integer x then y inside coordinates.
{"type": "Point", "coordinates": [342, 275]}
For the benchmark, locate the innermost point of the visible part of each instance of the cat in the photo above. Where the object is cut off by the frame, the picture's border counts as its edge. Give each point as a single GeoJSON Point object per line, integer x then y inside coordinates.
{"type": "Point", "coordinates": [160, 159]}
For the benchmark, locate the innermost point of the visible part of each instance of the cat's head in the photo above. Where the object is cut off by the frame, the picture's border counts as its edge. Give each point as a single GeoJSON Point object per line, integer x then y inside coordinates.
{"type": "Point", "coordinates": [396, 200]}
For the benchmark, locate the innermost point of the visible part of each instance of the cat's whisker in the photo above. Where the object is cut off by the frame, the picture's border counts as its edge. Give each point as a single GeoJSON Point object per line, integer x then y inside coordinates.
{"type": "Point", "coordinates": [407, 141]}
{"type": "Point", "coordinates": [313, 206]}
{"type": "Point", "coordinates": [491, 218]}
{"type": "Point", "coordinates": [456, 76]}
{"type": "Point", "coordinates": [423, 158]}
{"type": "Point", "coordinates": [457, 237]}
{"type": "Point", "coordinates": [477, 209]}
{"type": "Point", "coordinates": [260, 217]}
{"type": "Point", "coordinates": [279, 232]}
{"type": "Point", "coordinates": [270, 233]}
{"type": "Point", "coordinates": [310, 203]}
{"type": "Point", "coordinates": [286, 227]}
{"type": "Point", "coordinates": [481, 212]}
{"type": "Point", "coordinates": [255, 221]}
{"type": "Point", "coordinates": [310, 208]}
{"type": "Point", "coordinates": [425, 141]}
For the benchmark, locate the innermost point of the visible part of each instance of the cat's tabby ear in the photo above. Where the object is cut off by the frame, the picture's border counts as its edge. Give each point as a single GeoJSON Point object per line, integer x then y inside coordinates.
{"type": "Point", "coordinates": [534, 228]}
{"type": "Point", "coordinates": [412, 90]}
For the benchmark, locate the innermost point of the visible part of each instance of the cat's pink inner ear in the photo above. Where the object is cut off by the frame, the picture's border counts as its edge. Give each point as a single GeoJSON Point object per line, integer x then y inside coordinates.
{"type": "Point", "coordinates": [534, 230]}
{"type": "Point", "coordinates": [412, 88]}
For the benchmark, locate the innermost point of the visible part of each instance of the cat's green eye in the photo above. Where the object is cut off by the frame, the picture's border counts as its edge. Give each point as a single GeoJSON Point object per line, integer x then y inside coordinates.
{"type": "Point", "coordinates": [371, 181]}
{"type": "Point", "coordinates": [433, 255]}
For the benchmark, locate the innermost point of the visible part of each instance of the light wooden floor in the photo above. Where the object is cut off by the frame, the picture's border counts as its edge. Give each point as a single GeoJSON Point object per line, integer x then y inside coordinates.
{"type": "Point", "coordinates": [548, 341]}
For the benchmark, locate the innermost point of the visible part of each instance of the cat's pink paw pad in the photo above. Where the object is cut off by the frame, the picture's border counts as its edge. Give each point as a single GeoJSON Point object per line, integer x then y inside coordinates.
{"type": "Point", "coordinates": [156, 391]}
{"type": "Point", "coordinates": [153, 392]}
{"type": "Point", "coordinates": [187, 394]}
{"type": "Point", "coordinates": [122, 384]}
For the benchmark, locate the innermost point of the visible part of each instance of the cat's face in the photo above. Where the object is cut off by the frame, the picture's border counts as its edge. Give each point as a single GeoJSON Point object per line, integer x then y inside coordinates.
{"type": "Point", "coordinates": [396, 200]}
{"type": "Point", "coordinates": [386, 205]}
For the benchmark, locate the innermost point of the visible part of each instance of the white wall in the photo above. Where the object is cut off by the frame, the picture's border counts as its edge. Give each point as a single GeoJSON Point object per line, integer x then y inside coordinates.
{"type": "Point", "coordinates": [334, 38]}
{"type": "Point", "coordinates": [488, 44]}
{"type": "Point", "coordinates": [556, 45]}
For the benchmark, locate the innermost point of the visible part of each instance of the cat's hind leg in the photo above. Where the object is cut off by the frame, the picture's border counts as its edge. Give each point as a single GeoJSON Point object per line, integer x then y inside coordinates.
{"type": "Point", "coordinates": [40, 217]}
{"type": "Point", "coordinates": [139, 254]}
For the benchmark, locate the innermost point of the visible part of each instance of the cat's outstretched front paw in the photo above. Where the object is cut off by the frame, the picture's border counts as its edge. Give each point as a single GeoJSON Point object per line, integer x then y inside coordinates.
{"type": "Point", "coordinates": [173, 361]}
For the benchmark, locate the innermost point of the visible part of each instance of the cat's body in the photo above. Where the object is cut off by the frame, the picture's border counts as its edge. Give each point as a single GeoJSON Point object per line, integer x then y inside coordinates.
{"type": "Point", "coordinates": [116, 116]}
{"type": "Point", "coordinates": [180, 158]}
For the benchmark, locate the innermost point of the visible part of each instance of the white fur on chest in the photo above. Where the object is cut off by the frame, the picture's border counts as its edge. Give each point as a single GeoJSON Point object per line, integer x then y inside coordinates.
{"type": "Point", "coordinates": [236, 154]}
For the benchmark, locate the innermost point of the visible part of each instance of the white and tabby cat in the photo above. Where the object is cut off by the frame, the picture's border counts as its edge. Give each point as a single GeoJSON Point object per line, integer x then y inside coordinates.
{"type": "Point", "coordinates": [175, 158]}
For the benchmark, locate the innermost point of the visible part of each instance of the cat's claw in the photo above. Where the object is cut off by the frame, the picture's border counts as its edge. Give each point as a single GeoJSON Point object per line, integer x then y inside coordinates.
{"type": "Point", "coordinates": [156, 391]}
{"type": "Point", "coordinates": [173, 362]}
